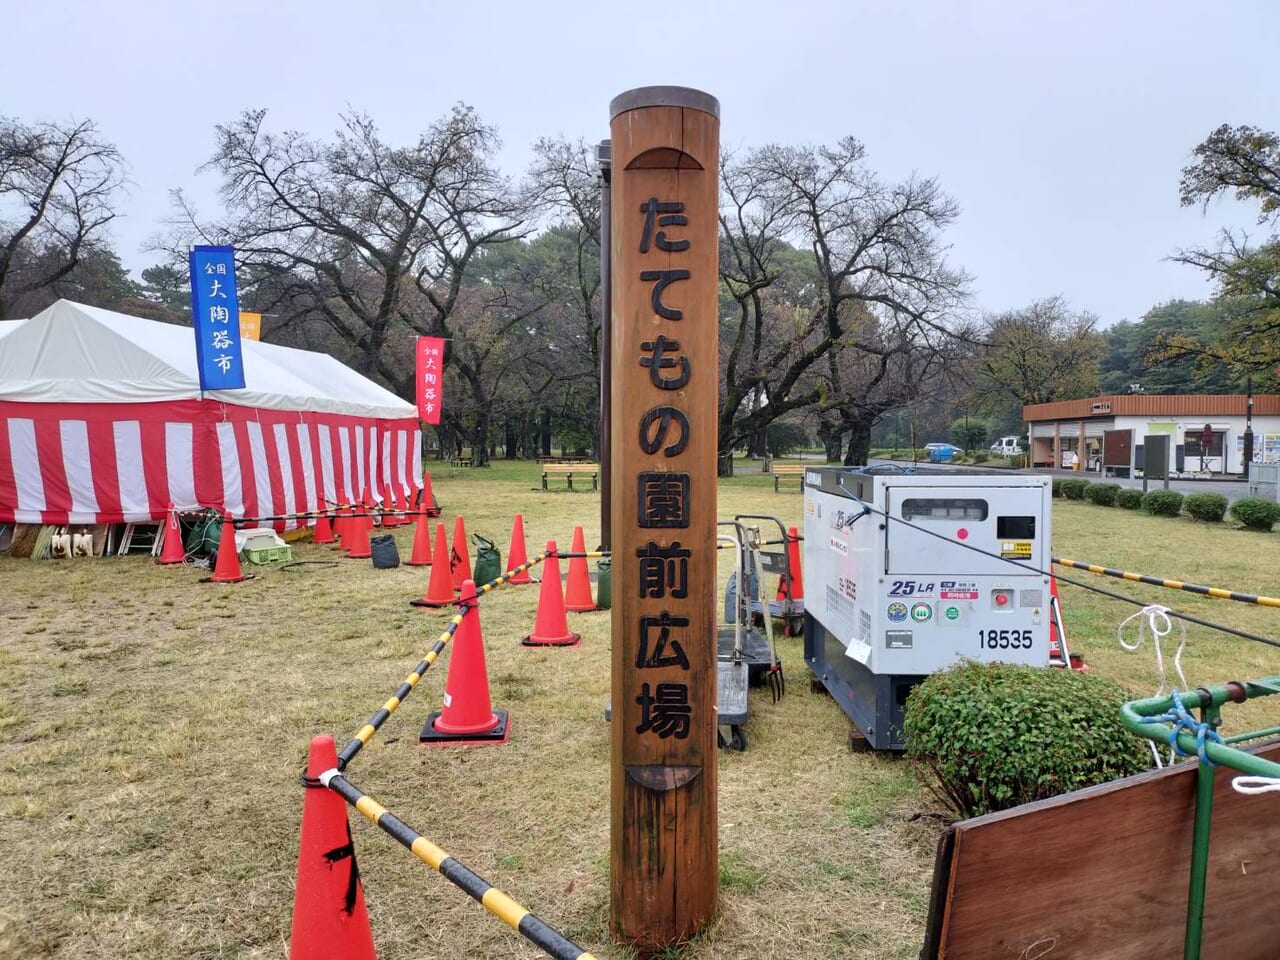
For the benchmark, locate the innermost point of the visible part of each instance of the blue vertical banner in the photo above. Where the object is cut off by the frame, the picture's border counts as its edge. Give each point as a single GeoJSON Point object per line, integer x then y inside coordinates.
{"type": "Point", "coordinates": [215, 313]}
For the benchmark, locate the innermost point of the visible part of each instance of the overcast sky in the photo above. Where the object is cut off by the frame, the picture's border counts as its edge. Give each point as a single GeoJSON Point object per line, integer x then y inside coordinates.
{"type": "Point", "coordinates": [1060, 127]}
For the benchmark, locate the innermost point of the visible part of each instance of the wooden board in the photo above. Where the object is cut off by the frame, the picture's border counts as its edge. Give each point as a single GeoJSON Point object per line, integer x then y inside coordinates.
{"type": "Point", "coordinates": [1103, 873]}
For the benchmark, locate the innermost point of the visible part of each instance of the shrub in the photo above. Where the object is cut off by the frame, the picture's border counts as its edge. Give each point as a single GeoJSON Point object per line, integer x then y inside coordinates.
{"type": "Point", "coordinates": [1162, 503]}
{"type": "Point", "coordinates": [1129, 499]}
{"type": "Point", "coordinates": [991, 736]}
{"type": "Point", "coordinates": [1255, 513]}
{"type": "Point", "coordinates": [1209, 507]}
{"type": "Point", "coordinates": [1073, 489]}
{"type": "Point", "coordinates": [1057, 488]}
{"type": "Point", "coordinates": [1102, 494]}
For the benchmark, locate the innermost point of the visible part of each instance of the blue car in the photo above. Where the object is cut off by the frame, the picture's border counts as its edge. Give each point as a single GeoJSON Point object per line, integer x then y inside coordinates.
{"type": "Point", "coordinates": [943, 452]}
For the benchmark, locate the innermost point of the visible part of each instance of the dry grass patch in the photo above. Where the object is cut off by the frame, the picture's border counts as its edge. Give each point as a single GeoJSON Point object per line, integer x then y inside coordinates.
{"type": "Point", "coordinates": [154, 729]}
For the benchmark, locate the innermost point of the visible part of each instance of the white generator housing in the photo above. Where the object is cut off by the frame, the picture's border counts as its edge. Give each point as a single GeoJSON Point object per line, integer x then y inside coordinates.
{"type": "Point", "coordinates": [908, 573]}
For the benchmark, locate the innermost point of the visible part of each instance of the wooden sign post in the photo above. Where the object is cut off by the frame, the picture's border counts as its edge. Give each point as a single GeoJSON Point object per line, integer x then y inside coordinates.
{"type": "Point", "coordinates": [664, 247]}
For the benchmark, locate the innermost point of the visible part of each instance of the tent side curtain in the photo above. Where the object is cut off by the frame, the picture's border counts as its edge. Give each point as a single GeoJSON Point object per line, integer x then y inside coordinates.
{"type": "Point", "coordinates": [69, 463]}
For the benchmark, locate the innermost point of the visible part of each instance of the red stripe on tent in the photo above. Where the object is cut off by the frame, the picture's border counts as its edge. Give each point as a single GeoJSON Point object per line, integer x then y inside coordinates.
{"type": "Point", "coordinates": [8, 485]}
{"type": "Point", "coordinates": [155, 467]}
{"type": "Point", "coordinates": [248, 481]}
{"type": "Point", "coordinates": [273, 472]}
{"type": "Point", "coordinates": [53, 472]}
{"type": "Point", "coordinates": [299, 473]}
{"type": "Point", "coordinates": [106, 478]}
{"type": "Point", "coordinates": [207, 465]}
{"type": "Point", "coordinates": [317, 467]}
{"type": "Point", "coordinates": [339, 465]}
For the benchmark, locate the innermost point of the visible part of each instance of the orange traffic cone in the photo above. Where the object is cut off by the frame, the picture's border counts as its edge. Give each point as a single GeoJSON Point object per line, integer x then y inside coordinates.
{"type": "Point", "coordinates": [516, 555]}
{"type": "Point", "coordinates": [341, 525]}
{"type": "Point", "coordinates": [459, 558]}
{"type": "Point", "coordinates": [389, 518]}
{"type": "Point", "coordinates": [793, 565]}
{"type": "Point", "coordinates": [428, 504]}
{"type": "Point", "coordinates": [468, 715]}
{"type": "Point", "coordinates": [172, 551]}
{"type": "Point", "coordinates": [323, 532]}
{"type": "Point", "coordinates": [421, 543]}
{"type": "Point", "coordinates": [356, 540]}
{"type": "Point", "coordinates": [551, 627]}
{"type": "Point", "coordinates": [227, 569]}
{"type": "Point", "coordinates": [1059, 655]}
{"type": "Point", "coordinates": [440, 592]}
{"type": "Point", "coordinates": [577, 590]}
{"type": "Point", "coordinates": [329, 915]}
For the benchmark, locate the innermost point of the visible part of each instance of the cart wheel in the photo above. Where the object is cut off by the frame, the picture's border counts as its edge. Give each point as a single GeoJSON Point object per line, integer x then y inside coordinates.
{"type": "Point", "coordinates": [793, 627]}
{"type": "Point", "coordinates": [737, 740]}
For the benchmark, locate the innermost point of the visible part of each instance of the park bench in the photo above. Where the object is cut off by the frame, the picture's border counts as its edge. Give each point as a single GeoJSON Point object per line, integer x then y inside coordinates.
{"type": "Point", "coordinates": [461, 460]}
{"type": "Point", "coordinates": [787, 470]}
{"type": "Point", "coordinates": [569, 471]}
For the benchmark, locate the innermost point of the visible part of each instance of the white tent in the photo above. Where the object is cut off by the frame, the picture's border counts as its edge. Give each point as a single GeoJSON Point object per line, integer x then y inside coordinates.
{"type": "Point", "coordinates": [102, 419]}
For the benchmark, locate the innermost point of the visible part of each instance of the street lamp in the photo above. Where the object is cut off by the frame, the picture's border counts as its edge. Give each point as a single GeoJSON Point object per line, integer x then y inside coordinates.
{"type": "Point", "coordinates": [1248, 426]}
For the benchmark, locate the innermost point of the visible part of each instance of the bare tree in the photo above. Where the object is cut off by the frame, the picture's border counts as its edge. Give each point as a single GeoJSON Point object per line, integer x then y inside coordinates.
{"type": "Point", "coordinates": [370, 238]}
{"type": "Point", "coordinates": [874, 250]}
{"type": "Point", "coordinates": [58, 185]}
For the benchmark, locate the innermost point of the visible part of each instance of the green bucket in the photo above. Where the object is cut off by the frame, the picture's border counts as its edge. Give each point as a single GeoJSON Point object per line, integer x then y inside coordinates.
{"type": "Point", "coordinates": [604, 588]}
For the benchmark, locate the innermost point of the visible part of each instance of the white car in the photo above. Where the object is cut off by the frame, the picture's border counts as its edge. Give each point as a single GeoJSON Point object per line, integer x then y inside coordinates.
{"type": "Point", "coordinates": [1006, 447]}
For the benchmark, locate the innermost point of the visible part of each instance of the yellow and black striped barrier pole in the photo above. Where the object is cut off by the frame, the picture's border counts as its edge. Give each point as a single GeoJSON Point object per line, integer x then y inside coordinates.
{"type": "Point", "coordinates": [365, 733]}
{"type": "Point", "coordinates": [1216, 592]}
{"type": "Point", "coordinates": [528, 925]}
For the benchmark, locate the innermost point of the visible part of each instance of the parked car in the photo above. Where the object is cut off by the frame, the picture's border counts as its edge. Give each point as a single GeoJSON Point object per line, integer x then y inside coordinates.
{"type": "Point", "coordinates": [943, 452]}
{"type": "Point", "coordinates": [1007, 447]}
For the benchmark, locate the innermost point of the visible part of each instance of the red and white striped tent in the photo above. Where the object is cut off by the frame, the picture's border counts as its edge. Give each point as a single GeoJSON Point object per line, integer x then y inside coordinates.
{"type": "Point", "coordinates": [102, 420]}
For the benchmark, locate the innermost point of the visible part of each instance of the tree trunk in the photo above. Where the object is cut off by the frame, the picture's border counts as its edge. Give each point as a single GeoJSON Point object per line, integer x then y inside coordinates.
{"type": "Point", "coordinates": [829, 436]}
{"type": "Point", "coordinates": [724, 463]}
{"type": "Point", "coordinates": [510, 442]}
{"type": "Point", "coordinates": [859, 441]}
{"type": "Point", "coordinates": [545, 432]}
{"type": "Point", "coordinates": [760, 442]}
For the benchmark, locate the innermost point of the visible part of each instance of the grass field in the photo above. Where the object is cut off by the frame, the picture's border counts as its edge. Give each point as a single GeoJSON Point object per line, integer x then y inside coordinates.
{"type": "Point", "coordinates": [152, 730]}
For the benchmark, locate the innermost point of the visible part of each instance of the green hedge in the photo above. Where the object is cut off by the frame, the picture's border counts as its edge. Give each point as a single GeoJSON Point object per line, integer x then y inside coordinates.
{"type": "Point", "coordinates": [1162, 503]}
{"type": "Point", "coordinates": [1255, 513]}
{"type": "Point", "coordinates": [1129, 499]}
{"type": "Point", "coordinates": [1057, 487]}
{"type": "Point", "coordinates": [1102, 494]}
{"type": "Point", "coordinates": [1073, 489]}
{"type": "Point", "coordinates": [990, 736]}
{"type": "Point", "coordinates": [1209, 507]}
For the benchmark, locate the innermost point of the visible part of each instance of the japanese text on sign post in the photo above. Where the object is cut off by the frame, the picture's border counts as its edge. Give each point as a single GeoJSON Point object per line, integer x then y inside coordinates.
{"type": "Point", "coordinates": [215, 314]}
{"type": "Point", "coordinates": [430, 377]}
{"type": "Point", "coordinates": [663, 496]}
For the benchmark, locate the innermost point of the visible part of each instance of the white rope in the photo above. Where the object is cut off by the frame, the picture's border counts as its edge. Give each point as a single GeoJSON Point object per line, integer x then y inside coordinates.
{"type": "Point", "coordinates": [1252, 785]}
{"type": "Point", "coordinates": [1155, 619]}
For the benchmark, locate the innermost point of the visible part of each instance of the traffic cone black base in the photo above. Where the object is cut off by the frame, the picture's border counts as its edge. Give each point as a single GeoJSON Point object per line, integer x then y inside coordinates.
{"type": "Point", "coordinates": [433, 604]}
{"type": "Point", "coordinates": [498, 734]}
{"type": "Point", "coordinates": [571, 640]}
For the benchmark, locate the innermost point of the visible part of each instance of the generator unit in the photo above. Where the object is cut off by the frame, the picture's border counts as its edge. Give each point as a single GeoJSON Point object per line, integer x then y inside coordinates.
{"type": "Point", "coordinates": [910, 572]}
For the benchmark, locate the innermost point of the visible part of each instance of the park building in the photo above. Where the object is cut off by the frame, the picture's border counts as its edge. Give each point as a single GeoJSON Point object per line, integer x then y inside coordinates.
{"type": "Point", "coordinates": [1106, 434]}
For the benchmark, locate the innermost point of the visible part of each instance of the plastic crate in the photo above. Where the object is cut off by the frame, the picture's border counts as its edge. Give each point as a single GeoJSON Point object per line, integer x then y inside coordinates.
{"type": "Point", "coordinates": [273, 554]}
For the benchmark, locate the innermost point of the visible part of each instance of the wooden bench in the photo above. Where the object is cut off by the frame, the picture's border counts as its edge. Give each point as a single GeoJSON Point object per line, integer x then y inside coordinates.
{"type": "Point", "coordinates": [787, 470]}
{"type": "Point", "coordinates": [569, 470]}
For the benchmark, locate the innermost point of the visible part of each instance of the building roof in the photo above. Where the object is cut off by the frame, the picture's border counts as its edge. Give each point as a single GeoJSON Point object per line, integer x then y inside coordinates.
{"type": "Point", "coordinates": [1154, 405]}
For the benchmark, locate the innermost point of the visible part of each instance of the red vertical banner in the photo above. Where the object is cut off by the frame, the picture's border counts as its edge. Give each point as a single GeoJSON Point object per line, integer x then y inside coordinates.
{"type": "Point", "coordinates": [430, 378]}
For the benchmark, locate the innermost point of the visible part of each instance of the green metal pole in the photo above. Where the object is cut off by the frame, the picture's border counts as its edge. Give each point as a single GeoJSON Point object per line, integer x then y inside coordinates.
{"type": "Point", "coordinates": [1200, 849]}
